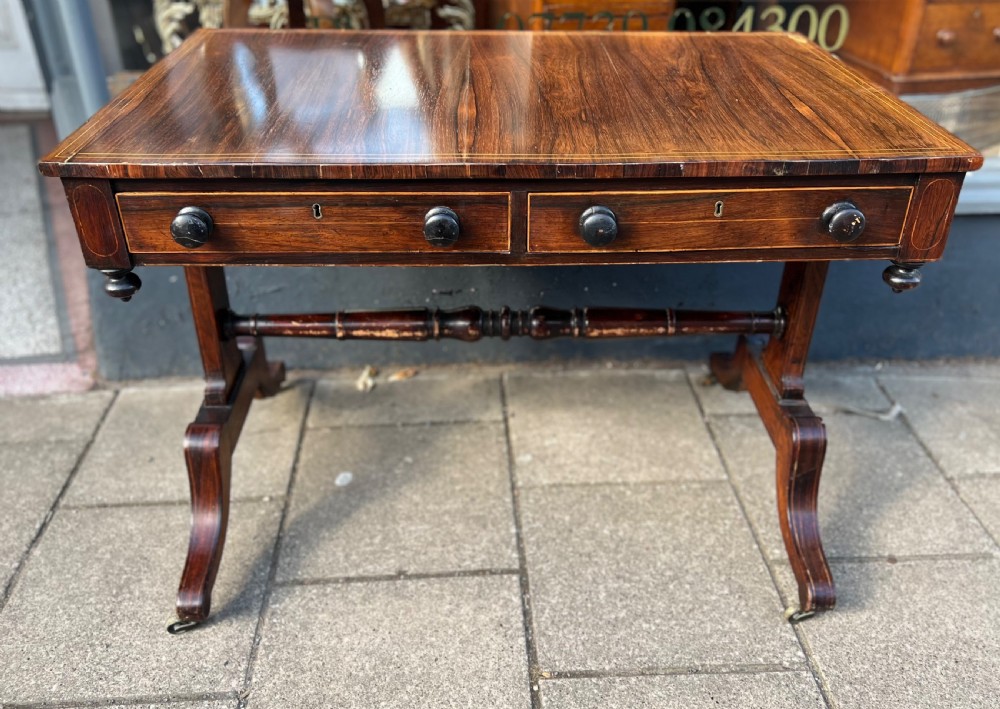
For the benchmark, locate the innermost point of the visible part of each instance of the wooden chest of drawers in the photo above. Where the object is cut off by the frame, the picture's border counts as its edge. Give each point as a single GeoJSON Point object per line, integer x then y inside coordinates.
{"type": "Point", "coordinates": [606, 15]}
{"type": "Point", "coordinates": [925, 45]}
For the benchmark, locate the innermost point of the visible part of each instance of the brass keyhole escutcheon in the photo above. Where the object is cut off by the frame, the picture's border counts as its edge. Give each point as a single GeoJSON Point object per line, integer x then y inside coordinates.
{"type": "Point", "coordinates": [317, 211]}
{"type": "Point", "coordinates": [718, 208]}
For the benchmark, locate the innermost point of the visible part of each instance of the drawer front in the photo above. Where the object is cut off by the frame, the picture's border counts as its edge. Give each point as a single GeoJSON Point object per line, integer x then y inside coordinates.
{"type": "Point", "coordinates": [714, 220]}
{"type": "Point", "coordinates": [605, 15]}
{"type": "Point", "coordinates": [959, 37]}
{"type": "Point", "coordinates": [316, 222]}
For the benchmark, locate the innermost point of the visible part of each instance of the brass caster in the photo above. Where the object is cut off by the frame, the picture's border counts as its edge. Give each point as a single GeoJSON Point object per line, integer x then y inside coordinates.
{"type": "Point", "coordinates": [794, 615]}
{"type": "Point", "coordinates": [709, 380]}
{"type": "Point", "coordinates": [182, 626]}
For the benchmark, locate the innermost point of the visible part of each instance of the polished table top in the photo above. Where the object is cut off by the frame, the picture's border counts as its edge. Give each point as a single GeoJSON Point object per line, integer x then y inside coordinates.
{"type": "Point", "coordinates": [522, 105]}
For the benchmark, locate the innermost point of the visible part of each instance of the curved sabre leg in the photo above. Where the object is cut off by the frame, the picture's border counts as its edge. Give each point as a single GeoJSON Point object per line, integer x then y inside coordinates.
{"type": "Point", "coordinates": [800, 453]}
{"type": "Point", "coordinates": [209, 469]}
{"type": "Point", "coordinates": [773, 377]}
{"type": "Point", "coordinates": [236, 371]}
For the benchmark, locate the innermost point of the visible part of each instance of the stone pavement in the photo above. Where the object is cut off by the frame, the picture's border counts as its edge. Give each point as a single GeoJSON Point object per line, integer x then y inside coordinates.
{"type": "Point", "coordinates": [520, 537]}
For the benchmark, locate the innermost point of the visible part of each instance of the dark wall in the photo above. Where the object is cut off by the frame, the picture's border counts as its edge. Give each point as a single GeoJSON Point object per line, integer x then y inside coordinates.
{"type": "Point", "coordinates": [955, 313]}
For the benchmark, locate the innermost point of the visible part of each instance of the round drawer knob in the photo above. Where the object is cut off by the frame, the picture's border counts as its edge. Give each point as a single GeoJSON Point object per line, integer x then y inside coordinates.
{"type": "Point", "coordinates": [598, 226]}
{"type": "Point", "coordinates": [946, 38]}
{"type": "Point", "coordinates": [844, 221]}
{"type": "Point", "coordinates": [191, 227]}
{"type": "Point", "coordinates": [441, 227]}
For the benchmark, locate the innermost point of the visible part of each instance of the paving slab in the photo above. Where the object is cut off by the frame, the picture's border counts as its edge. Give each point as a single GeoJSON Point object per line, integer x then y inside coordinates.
{"type": "Point", "coordinates": [879, 494]}
{"type": "Point", "coordinates": [221, 704]}
{"type": "Point", "coordinates": [958, 419]}
{"type": "Point", "coordinates": [910, 635]}
{"type": "Point", "coordinates": [448, 642]}
{"type": "Point", "coordinates": [282, 412]}
{"type": "Point", "coordinates": [384, 500]}
{"type": "Point", "coordinates": [982, 494]}
{"type": "Point", "coordinates": [28, 317]}
{"type": "Point", "coordinates": [653, 576]}
{"type": "Point", "coordinates": [957, 369]}
{"type": "Point", "coordinates": [63, 417]}
{"type": "Point", "coordinates": [87, 618]}
{"type": "Point", "coordinates": [426, 398]}
{"type": "Point", "coordinates": [827, 391]}
{"type": "Point", "coordinates": [138, 456]}
{"type": "Point", "coordinates": [29, 320]}
{"type": "Point", "coordinates": [739, 690]}
{"type": "Point", "coordinates": [31, 476]}
{"type": "Point", "coordinates": [19, 177]}
{"type": "Point", "coordinates": [598, 426]}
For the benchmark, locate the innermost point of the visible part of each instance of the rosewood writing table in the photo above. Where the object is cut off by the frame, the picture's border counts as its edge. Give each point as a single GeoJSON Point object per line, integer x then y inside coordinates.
{"type": "Point", "coordinates": [508, 149]}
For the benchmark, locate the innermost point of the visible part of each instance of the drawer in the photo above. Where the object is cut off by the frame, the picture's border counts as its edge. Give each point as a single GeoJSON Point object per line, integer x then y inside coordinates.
{"type": "Point", "coordinates": [316, 222]}
{"type": "Point", "coordinates": [958, 37]}
{"type": "Point", "coordinates": [709, 220]}
{"type": "Point", "coordinates": [604, 15]}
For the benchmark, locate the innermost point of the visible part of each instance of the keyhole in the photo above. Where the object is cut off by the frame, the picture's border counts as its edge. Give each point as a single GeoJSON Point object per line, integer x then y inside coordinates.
{"type": "Point", "coordinates": [317, 211]}
{"type": "Point", "coordinates": [718, 209]}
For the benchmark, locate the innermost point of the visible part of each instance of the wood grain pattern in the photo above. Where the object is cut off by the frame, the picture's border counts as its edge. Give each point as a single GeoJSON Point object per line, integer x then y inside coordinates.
{"type": "Point", "coordinates": [687, 221]}
{"type": "Point", "coordinates": [314, 252]}
{"type": "Point", "coordinates": [285, 222]}
{"type": "Point", "coordinates": [236, 371]}
{"type": "Point", "coordinates": [423, 105]}
{"type": "Point", "coordinates": [220, 355]}
{"type": "Point", "coordinates": [97, 224]}
{"type": "Point", "coordinates": [209, 443]}
{"type": "Point", "coordinates": [799, 439]}
{"type": "Point", "coordinates": [928, 224]}
{"type": "Point", "coordinates": [472, 323]}
{"type": "Point", "coordinates": [567, 15]}
{"type": "Point", "coordinates": [799, 296]}
{"type": "Point", "coordinates": [518, 133]}
{"type": "Point", "coordinates": [209, 463]}
{"type": "Point", "coordinates": [451, 257]}
{"type": "Point", "coordinates": [774, 379]}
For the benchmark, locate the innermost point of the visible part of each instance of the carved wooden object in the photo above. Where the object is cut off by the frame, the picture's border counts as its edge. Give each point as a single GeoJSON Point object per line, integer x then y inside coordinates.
{"type": "Point", "coordinates": [472, 323]}
{"type": "Point", "coordinates": [656, 148]}
{"type": "Point", "coordinates": [236, 371]}
{"type": "Point", "coordinates": [774, 378]}
{"type": "Point", "coordinates": [925, 45]}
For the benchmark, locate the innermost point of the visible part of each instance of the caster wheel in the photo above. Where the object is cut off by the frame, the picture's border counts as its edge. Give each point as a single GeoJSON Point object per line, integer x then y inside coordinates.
{"type": "Point", "coordinates": [181, 626]}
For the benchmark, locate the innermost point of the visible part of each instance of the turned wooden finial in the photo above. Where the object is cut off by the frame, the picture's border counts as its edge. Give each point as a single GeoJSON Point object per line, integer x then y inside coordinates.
{"type": "Point", "coordinates": [122, 283]}
{"type": "Point", "coordinates": [902, 276]}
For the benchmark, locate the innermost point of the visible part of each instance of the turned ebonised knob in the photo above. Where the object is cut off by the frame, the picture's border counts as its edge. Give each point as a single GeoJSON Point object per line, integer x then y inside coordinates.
{"type": "Point", "coordinates": [844, 221]}
{"type": "Point", "coordinates": [121, 284]}
{"type": "Point", "coordinates": [441, 227]}
{"type": "Point", "coordinates": [946, 38]}
{"type": "Point", "coordinates": [902, 276]}
{"type": "Point", "coordinates": [191, 227]}
{"type": "Point", "coordinates": [598, 226]}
